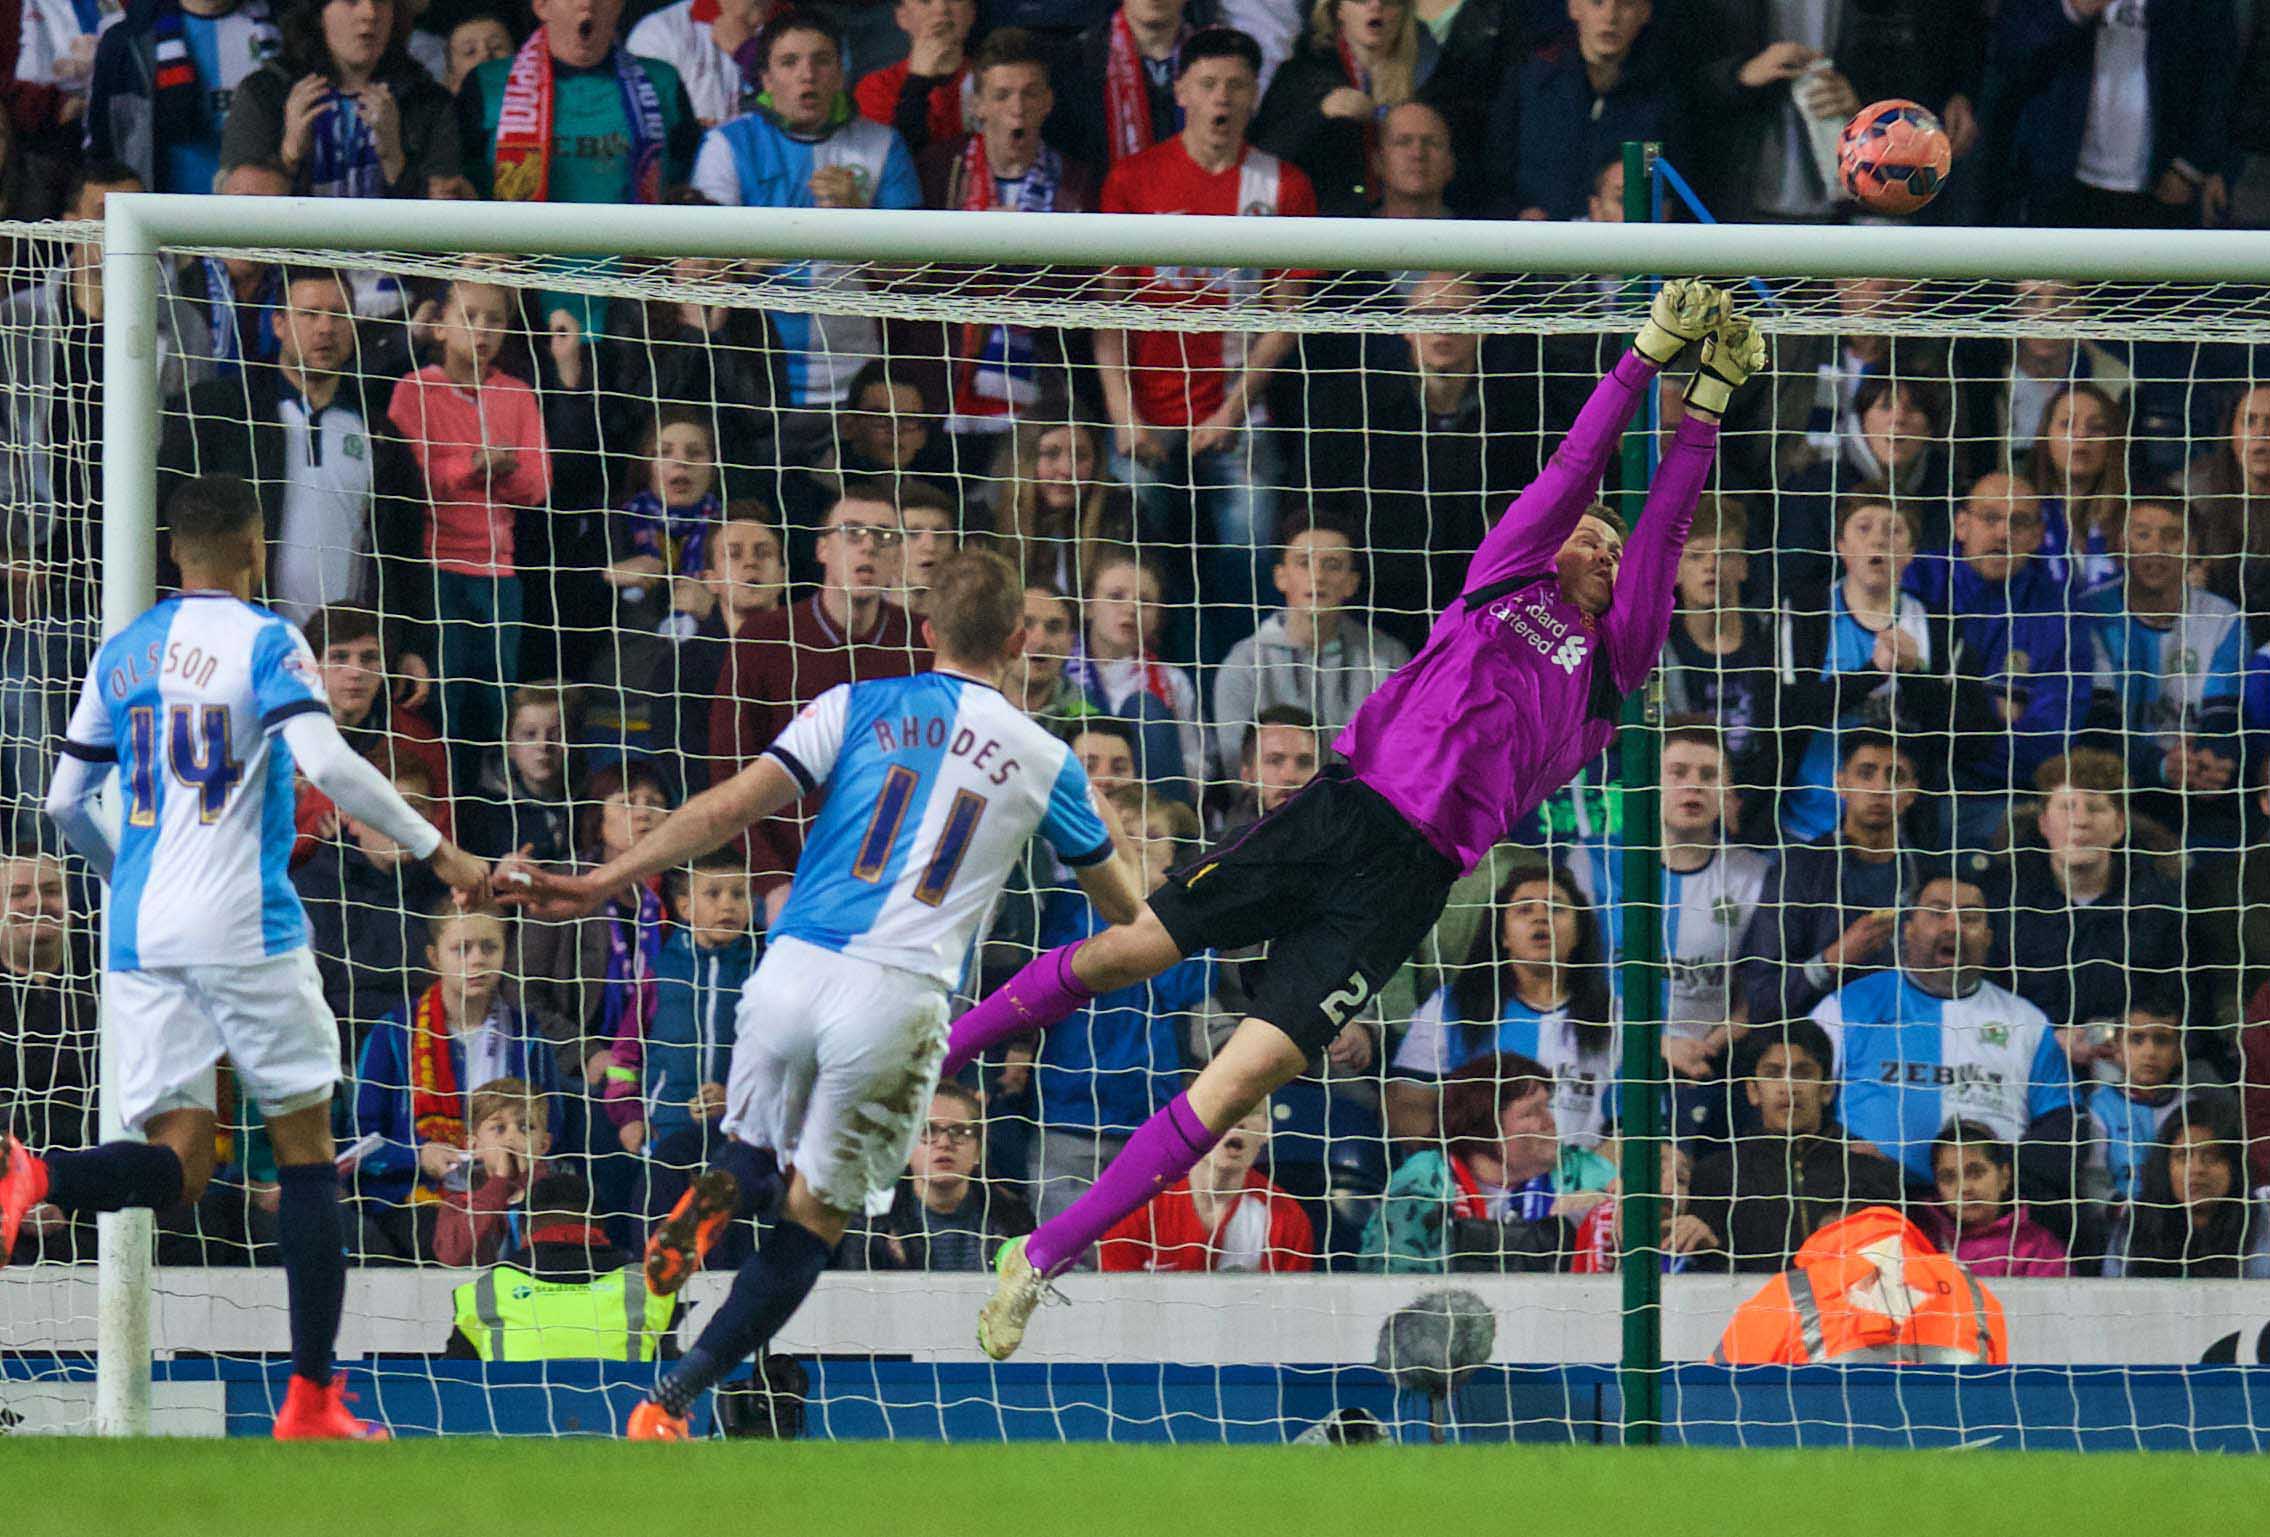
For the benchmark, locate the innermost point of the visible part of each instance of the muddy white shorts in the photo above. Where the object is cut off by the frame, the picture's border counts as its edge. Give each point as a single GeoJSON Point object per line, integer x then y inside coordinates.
{"type": "Point", "coordinates": [172, 1023]}
{"type": "Point", "coordinates": [834, 1060]}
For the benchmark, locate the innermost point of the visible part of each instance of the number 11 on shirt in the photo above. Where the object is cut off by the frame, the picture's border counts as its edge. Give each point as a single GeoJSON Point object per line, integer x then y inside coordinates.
{"type": "Point", "coordinates": [891, 803]}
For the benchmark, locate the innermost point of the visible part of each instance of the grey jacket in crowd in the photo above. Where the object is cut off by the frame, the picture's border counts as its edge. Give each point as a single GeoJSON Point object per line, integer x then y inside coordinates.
{"type": "Point", "coordinates": [1266, 669]}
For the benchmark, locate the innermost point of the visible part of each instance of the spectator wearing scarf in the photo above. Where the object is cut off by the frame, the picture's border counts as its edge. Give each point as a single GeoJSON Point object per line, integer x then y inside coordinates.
{"type": "Point", "coordinates": [1114, 86]}
{"type": "Point", "coordinates": [1007, 163]}
{"type": "Point", "coordinates": [666, 523]}
{"type": "Point", "coordinates": [1116, 669]}
{"type": "Point", "coordinates": [422, 1061]}
{"type": "Point", "coordinates": [1322, 111]}
{"type": "Point", "coordinates": [385, 128]}
{"type": "Point", "coordinates": [1500, 1191]}
{"type": "Point", "coordinates": [676, 536]}
{"type": "Point", "coordinates": [581, 978]}
{"type": "Point", "coordinates": [575, 117]}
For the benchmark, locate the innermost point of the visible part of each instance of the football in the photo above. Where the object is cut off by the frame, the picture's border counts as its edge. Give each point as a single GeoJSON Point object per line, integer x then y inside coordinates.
{"type": "Point", "coordinates": [1893, 157]}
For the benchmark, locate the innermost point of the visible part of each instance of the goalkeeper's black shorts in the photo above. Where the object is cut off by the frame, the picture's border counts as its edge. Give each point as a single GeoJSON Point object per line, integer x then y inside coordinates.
{"type": "Point", "coordinates": [1338, 885]}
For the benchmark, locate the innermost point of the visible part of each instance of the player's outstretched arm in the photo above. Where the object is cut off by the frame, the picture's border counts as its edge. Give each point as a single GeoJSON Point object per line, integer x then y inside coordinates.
{"type": "Point", "coordinates": [710, 820]}
{"type": "Point", "coordinates": [1639, 615]}
{"type": "Point", "coordinates": [1112, 885]}
{"type": "Point", "coordinates": [1526, 539]}
{"type": "Point", "coordinates": [71, 792]}
{"type": "Point", "coordinates": [362, 792]}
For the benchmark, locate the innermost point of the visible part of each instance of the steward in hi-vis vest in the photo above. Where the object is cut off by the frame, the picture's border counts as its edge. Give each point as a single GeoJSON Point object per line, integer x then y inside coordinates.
{"type": "Point", "coordinates": [1868, 1288]}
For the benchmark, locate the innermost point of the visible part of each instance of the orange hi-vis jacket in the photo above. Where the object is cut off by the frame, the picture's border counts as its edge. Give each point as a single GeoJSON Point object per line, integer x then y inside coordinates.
{"type": "Point", "coordinates": [1868, 1289]}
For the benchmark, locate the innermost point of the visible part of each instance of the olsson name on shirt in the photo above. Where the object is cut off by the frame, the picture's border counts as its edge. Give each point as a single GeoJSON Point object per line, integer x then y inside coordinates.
{"type": "Point", "coordinates": [189, 663]}
{"type": "Point", "coordinates": [931, 731]}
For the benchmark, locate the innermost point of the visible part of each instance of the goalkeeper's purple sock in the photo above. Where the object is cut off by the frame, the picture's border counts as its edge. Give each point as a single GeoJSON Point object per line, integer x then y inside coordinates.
{"type": "Point", "coordinates": [1163, 1149]}
{"type": "Point", "coordinates": [1040, 995]}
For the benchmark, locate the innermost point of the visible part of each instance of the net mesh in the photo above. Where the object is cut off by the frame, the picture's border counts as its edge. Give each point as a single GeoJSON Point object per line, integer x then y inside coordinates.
{"type": "Point", "coordinates": [541, 606]}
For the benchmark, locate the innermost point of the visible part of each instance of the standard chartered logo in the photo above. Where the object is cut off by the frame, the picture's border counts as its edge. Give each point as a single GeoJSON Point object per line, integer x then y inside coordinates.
{"type": "Point", "coordinates": [1571, 654]}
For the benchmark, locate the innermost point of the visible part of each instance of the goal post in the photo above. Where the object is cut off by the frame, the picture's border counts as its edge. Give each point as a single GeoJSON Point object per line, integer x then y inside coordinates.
{"type": "Point", "coordinates": [2154, 284]}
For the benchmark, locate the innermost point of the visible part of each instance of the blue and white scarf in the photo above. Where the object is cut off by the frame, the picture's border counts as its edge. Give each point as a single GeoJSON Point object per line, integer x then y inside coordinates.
{"type": "Point", "coordinates": [345, 162]}
{"type": "Point", "coordinates": [221, 316]}
{"type": "Point", "coordinates": [676, 536]}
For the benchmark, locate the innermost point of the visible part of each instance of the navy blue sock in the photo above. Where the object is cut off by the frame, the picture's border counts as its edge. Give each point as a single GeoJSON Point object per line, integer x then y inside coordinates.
{"type": "Point", "coordinates": [313, 1236]}
{"type": "Point", "coordinates": [756, 1171]}
{"type": "Point", "coordinates": [767, 1289]}
{"type": "Point", "coordinates": [115, 1176]}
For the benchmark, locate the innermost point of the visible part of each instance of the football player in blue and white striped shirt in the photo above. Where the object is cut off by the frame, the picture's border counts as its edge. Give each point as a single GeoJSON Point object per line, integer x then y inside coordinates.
{"type": "Point", "coordinates": [934, 784]}
{"type": "Point", "coordinates": [205, 705]}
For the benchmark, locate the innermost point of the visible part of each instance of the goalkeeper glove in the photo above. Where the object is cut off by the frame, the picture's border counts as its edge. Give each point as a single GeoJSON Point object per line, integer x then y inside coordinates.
{"type": "Point", "coordinates": [1730, 354]}
{"type": "Point", "coordinates": [1685, 310]}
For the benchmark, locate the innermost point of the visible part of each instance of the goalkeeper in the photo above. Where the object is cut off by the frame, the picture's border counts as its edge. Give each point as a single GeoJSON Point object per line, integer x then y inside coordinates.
{"type": "Point", "coordinates": [1518, 687]}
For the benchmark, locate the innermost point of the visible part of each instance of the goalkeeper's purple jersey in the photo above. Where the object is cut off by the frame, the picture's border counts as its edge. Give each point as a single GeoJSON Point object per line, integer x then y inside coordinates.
{"type": "Point", "coordinates": [1505, 702]}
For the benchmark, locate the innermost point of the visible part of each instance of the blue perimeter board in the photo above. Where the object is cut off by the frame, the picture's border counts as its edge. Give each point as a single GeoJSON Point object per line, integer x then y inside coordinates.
{"type": "Point", "coordinates": [2042, 1408]}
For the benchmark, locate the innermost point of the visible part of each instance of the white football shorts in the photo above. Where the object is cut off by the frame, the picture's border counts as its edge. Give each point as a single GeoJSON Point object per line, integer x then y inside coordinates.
{"type": "Point", "coordinates": [172, 1023]}
{"type": "Point", "coordinates": [834, 1060]}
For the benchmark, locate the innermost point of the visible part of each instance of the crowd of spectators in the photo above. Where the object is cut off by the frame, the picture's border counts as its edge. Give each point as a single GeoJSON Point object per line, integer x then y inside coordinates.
{"type": "Point", "coordinates": [1967, 691]}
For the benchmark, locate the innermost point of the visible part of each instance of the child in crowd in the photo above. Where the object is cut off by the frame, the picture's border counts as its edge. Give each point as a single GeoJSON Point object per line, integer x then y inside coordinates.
{"type": "Point", "coordinates": [581, 978]}
{"type": "Point", "coordinates": [1313, 653]}
{"type": "Point", "coordinates": [1719, 662]}
{"type": "Point", "coordinates": [945, 1214]}
{"type": "Point", "coordinates": [1600, 1236]}
{"type": "Point", "coordinates": [1052, 506]}
{"type": "Point", "coordinates": [1841, 668]}
{"type": "Point", "coordinates": [651, 692]}
{"type": "Point", "coordinates": [508, 1141]}
{"type": "Point", "coordinates": [1119, 669]}
{"type": "Point", "coordinates": [523, 798]}
{"type": "Point", "coordinates": [2194, 1216]}
{"type": "Point", "coordinates": [928, 534]}
{"type": "Point", "coordinates": [1978, 1219]}
{"type": "Point", "coordinates": [413, 1113]}
{"type": "Point", "coordinates": [1225, 1215]}
{"type": "Point", "coordinates": [477, 433]}
{"type": "Point", "coordinates": [661, 543]}
{"type": "Point", "coordinates": [1108, 1068]}
{"type": "Point", "coordinates": [359, 664]}
{"type": "Point", "coordinates": [2141, 1081]}
{"type": "Point", "coordinates": [1499, 1189]}
{"type": "Point", "coordinates": [474, 41]}
{"type": "Point", "coordinates": [665, 1087]}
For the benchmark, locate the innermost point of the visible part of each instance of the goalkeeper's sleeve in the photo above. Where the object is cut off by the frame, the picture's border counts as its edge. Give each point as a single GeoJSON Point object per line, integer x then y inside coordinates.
{"type": "Point", "coordinates": [358, 789]}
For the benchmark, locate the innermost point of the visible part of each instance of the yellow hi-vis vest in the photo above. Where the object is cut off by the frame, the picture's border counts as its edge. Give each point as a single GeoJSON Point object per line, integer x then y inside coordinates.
{"type": "Point", "coordinates": [510, 1315]}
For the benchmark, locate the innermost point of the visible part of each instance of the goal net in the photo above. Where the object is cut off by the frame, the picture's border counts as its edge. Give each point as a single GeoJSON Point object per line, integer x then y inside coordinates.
{"type": "Point", "coordinates": [1947, 852]}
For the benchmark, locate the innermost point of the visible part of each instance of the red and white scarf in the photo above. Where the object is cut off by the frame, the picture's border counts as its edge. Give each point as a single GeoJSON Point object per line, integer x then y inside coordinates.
{"type": "Point", "coordinates": [1126, 93]}
{"type": "Point", "coordinates": [1360, 78]}
{"type": "Point", "coordinates": [998, 374]}
{"type": "Point", "coordinates": [524, 125]}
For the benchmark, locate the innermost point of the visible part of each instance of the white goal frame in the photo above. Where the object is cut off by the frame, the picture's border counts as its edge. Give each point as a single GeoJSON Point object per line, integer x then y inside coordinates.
{"type": "Point", "coordinates": [139, 227]}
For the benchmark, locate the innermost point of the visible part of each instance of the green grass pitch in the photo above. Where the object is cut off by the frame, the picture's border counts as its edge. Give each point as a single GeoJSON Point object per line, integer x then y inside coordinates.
{"type": "Point", "coordinates": [491, 1488]}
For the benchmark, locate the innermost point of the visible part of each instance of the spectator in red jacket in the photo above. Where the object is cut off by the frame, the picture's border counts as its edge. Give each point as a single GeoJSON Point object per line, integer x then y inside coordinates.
{"type": "Point", "coordinates": [1225, 1216]}
{"type": "Point", "coordinates": [783, 660]}
{"type": "Point", "coordinates": [921, 96]}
